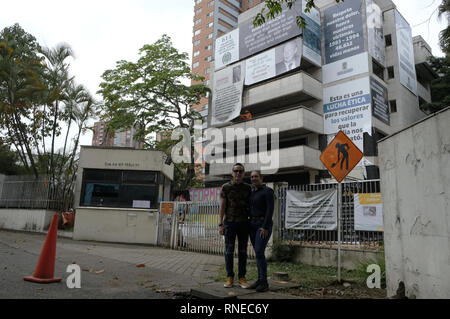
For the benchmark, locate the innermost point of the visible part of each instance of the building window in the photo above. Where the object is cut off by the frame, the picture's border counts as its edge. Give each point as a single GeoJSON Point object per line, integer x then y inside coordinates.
{"type": "Point", "coordinates": [198, 1]}
{"type": "Point", "coordinates": [208, 59]}
{"type": "Point", "coordinates": [377, 69]}
{"type": "Point", "coordinates": [196, 53]}
{"type": "Point", "coordinates": [195, 65]}
{"type": "Point", "coordinates": [197, 32]}
{"type": "Point", "coordinates": [390, 70]}
{"type": "Point", "coordinates": [198, 21]}
{"type": "Point", "coordinates": [210, 4]}
{"type": "Point", "coordinates": [209, 47]}
{"type": "Point", "coordinates": [388, 40]}
{"type": "Point", "coordinates": [196, 42]}
{"type": "Point", "coordinates": [393, 106]}
{"type": "Point", "coordinates": [209, 36]}
{"type": "Point", "coordinates": [206, 71]}
{"type": "Point", "coordinates": [210, 14]}
{"type": "Point", "coordinates": [117, 188]}
{"type": "Point", "coordinates": [198, 11]}
{"type": "Point", "coordinates": [210, 25]}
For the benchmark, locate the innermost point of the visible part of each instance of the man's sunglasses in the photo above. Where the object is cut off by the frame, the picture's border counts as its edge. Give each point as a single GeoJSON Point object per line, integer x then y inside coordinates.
{"type": "Point", "coordinates": [238, 171]}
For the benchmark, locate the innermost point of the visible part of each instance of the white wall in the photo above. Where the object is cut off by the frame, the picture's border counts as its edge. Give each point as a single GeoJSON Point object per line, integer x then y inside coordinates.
{"type": "Point", "coordinates": [35, 220]}
{"type": "Point", "coordinates": [116, 225]}
{"type": "Point", "coordinates": [415, 181]}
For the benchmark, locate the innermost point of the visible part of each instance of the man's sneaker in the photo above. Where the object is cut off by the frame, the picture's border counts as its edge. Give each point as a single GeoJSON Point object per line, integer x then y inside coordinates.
{"type": "Point", "coordinates": [254, 285]}
{"type": "Point", "coordinates": [229, 282]}
{"type": "Point", "coordinates": [243, 283]}
{"type": "Point", "coordinates": [262, 287]}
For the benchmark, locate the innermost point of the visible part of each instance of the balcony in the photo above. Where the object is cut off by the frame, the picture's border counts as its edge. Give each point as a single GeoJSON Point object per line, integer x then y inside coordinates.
{"type": "Point", "coordinates": [292, 158]}
{"type": "Point", "coordinates": [286, 90]}
{"type": "Point", "coordinates": [296, 122]}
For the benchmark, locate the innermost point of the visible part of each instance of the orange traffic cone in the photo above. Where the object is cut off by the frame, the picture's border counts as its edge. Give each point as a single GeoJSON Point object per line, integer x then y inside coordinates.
{"type": "Point", "coordinates": [46, 264]}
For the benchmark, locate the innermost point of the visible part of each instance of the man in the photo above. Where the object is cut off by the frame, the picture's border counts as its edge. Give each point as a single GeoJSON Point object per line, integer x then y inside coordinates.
{"type": "Point", "coordinates": [261, 212]}
{"type": "Point", "coordinates": [291, 58]}
{"type": "Point", "coordinates": [233, 216]}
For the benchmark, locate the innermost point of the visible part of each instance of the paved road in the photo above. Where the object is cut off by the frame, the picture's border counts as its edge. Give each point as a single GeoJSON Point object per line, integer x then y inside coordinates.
{"type": "Point", "coordinates": [108, 270]}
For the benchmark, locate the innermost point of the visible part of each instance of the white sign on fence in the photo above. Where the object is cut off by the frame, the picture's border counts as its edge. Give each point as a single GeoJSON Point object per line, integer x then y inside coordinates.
{"type": "Point", "coordinates": [311, 210]}
{"type": "Point", "coordinates": [368, 212]}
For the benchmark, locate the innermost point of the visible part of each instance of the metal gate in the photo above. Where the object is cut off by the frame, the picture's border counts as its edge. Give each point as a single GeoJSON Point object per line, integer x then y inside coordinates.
{"type": "Point", "coordinates": [350, 236]}
{"type": "Point", "coordinates": [193, 226]}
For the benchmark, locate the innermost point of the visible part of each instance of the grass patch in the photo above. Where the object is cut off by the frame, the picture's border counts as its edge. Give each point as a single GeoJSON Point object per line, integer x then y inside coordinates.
{"type": "Point", "coordinates": [315, 281]}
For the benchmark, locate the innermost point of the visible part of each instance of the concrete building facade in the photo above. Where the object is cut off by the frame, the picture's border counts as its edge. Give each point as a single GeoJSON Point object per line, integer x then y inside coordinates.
{"type": "Point", "coordinates": [122, 138]}
{"type": "Point", "coordinates": [294, 103]}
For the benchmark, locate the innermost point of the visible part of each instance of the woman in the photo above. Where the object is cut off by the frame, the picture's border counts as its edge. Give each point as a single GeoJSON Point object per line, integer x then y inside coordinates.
{"type": "Point", "coordinates": [261, 212]}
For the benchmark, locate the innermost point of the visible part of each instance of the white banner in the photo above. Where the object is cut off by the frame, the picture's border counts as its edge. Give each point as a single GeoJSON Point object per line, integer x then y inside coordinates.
{"type": "Point", "coordinates": [226, 49]}
{"type": "Point", "coordinates": [405, 51]}
{"type": "Point", "coordinates": [347, 108]}
{"type": "Point", "coordinates": [227, 95]}
{"type": "Point", "coordinates": [311, 210]}
{"type": "Point", "coordinates": [345, 68]}
{"type": "Point", "coordinates": [273, 62]}
{"type": "Point", "coordinates": [368, 212]}
{"type": "Point", "coordinates": [375, 32]}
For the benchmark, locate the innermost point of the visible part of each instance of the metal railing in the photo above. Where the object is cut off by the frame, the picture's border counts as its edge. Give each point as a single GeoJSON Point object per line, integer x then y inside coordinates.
{"type": "Point", "coordinates": [27, 192]}
{"type": "Point", "coordinates": [196, 228]}
{"type": "Point", "coordinates": [349, 236]}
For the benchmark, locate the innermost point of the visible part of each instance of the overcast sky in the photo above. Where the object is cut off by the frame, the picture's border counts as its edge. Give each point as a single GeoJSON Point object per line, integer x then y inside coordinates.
{"type": "Point", "coordinates": [102, 32]}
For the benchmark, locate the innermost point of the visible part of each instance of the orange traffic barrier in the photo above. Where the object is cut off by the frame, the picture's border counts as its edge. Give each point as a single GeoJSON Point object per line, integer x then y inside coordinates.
{"type": "Point", "coordinates": [46, 264]}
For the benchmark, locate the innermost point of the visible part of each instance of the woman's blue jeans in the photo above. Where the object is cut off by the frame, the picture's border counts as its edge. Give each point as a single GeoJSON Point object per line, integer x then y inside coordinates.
{"type": "Point", "coordinates": [259, 245]}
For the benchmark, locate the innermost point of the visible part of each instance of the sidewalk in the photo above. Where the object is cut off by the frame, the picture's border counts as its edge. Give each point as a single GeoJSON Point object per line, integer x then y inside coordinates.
{"type": "Point", "coordinates": [172, 272]}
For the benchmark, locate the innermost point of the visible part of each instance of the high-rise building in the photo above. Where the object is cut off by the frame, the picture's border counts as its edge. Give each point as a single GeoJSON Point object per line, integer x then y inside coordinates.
{"type": "Point", "coordinates": [360, 71]}
{"type": "Point", "coordinates": [212, 19]}
{"type": "Point", "coordinates": [121, 138]}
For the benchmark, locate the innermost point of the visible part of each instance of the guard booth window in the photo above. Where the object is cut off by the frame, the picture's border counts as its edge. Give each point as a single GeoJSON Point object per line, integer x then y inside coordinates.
{"type": "Point", "coordinates": [116, 188]}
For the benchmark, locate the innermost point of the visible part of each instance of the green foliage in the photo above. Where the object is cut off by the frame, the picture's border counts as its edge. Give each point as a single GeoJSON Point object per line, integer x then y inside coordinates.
{"type": "Point", "coordinates": [440, 87]}
{"type": "Point", "coordinates": [444, 35]}
{"type": "Point", "coordinates": [151, 95]}
{"type": "Point", "coordinates": [380, 261]}
{"type": "Point", "coordinates": [37, 99]}
{"type": "Point", "coordinates": [273, 8]}
{"type": "Point", "coordinates": [281, 251]}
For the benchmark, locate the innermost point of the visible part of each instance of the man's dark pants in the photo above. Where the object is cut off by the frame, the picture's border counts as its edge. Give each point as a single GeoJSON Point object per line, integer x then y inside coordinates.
{"type": "Point", "coordinates": [259, 245]}
{"type": "Point", "coordinates": [233, 230]}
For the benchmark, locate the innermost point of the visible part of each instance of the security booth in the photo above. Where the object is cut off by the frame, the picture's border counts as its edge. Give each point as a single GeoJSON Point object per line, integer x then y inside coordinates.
{"type": "Point", "coordinates": [118, 193]}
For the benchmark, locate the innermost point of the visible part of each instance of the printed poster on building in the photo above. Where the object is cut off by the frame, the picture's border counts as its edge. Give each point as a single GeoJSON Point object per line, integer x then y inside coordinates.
{"type": "Point", "coordinates": [343, 30]}
{"type": "Point", "coordinates": [311, 210]}
{"type": "Point", "coordinates": [345, 68]}
{"type": "Point", "coordinates": [375, 36]}
{"type": "Point", "coordinates": [205, 194]}
{"type": "Point", "coordinates": [380, 106]}
{"type": "Point", "coordinates": [405, 50]}
{"type": "Point", "coordinates": [227, 95]}
{"type": "Point", "coordinates": [274, 31]}
{"type": "Point", "coordinates": [312, 35]}
{"type": "Point", "coordinates": [273, 62]}
{"type": "Point", "coordinates": [368, 212]}
{"type": "Point", "coordinates": [227, 49]}
{"type": "Point", "coordinates": [347, 108]}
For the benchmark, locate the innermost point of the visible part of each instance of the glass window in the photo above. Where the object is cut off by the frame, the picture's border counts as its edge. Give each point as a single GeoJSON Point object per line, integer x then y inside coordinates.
{"type": "Point", "coordinates": [116, 188]}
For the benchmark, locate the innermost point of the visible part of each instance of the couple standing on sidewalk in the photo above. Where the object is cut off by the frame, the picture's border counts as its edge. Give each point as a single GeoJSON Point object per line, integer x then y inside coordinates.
{"type": "Point", "coordinates": [246, 210]}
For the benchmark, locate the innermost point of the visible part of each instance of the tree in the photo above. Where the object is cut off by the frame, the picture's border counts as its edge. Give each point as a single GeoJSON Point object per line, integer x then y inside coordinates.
{"type": "Point", "coordinates": [272, 8]}
{"type": "Point", "coordinates": [20, 85]}
{"type": "Point", "coordinates": [151, 95]}
{"type": "Point", "coordinates": [440, 87]}
{"type": "Point", "coordinates": [444, 35]}
{"type": "Point", "coordinates": [38, 99]}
